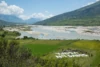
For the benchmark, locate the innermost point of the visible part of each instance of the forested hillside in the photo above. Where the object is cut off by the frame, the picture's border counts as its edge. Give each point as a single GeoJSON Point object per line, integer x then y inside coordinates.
{"type": "Point", "coordinates": [85, 16]}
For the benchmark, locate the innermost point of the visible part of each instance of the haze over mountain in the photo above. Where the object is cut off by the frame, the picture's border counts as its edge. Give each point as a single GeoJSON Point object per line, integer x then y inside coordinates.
{"type": "Point", "coordinates": [16, 13]}
{"type": "Point", "coordinates": [85, 16]}
{"type": "Point", "coordinates": [3, 23]}
{"type": "Point", "coordinates": [15, 19]}
{"type": "Point", "coordinates": [32, 20]}
{"type": "Point", "coordinates": [10, 18]}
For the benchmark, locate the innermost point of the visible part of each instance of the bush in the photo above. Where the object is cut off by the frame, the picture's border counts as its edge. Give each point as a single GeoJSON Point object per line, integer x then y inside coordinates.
{"type": "Point", "coordinates": [25, 37]}
{"type": "Point", "coordinates": [1, 29]}
{"type": "Point", "coordinates": [12, 55]}
{"type": "Point", "coordinates": [16, 33]}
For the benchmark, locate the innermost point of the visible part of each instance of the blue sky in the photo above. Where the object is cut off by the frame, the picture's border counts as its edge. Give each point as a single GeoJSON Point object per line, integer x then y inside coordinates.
{"type": "Point", "coordinates": [46, 7]}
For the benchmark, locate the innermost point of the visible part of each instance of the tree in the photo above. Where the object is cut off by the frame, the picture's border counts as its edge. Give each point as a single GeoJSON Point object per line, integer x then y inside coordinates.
{"type": "Point", "coordinates": [3, 35]}
{"type": "Point", "coordinates": [25, 37]}
{"type": "Point", "coordinates": [12, 55]}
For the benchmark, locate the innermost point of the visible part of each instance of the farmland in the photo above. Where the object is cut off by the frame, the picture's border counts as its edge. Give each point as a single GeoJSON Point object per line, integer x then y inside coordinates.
{"type": "Point", "coordinates": [46, 49]}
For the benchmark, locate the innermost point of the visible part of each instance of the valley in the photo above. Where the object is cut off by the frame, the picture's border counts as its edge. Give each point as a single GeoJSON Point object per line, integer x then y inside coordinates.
{"type": "Point", "coordinates": [75, 51]}
{"type": "Point", "coordinates": [49, 33]}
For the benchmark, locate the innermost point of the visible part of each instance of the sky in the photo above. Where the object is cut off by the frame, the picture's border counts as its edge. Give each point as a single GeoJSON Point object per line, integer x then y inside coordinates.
{"type": "Point", "coordinates": [40, 9]}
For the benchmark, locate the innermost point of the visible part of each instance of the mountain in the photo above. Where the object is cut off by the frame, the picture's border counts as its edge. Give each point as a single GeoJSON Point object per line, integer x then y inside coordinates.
{"type": "Point", "coordinates": [4, 23]}
{"type": "Point", "coordinates": [15, 19]}
{"type": "Point", "coordinates": [85, 16]}
{"type": "Point", "coordinates": [32, 20]}
{"type": "Point", "coordinates": [10, 18]}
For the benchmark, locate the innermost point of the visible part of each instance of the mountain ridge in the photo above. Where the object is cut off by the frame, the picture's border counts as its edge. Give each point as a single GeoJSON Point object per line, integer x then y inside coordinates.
{"type": "Point", "coordinates": [87, 15]}
{"type": "Point", "coordinates": [15, 19]}
{"type": "Point", "coordinates": [4, 23]}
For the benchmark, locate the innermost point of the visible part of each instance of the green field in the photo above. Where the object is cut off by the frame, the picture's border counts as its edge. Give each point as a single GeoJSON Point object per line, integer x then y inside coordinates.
{"type": "Point", "coordinates": [46, 49]}
{"type": "Point", "coordinates": [41, 49]}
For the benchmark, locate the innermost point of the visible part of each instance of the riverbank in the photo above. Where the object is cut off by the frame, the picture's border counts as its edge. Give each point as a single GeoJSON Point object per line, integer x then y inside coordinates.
{"type": "Point", "coordinates": [58, 32]}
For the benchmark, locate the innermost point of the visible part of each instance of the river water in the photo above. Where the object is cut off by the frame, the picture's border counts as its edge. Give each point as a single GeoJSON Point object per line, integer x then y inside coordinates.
{"type": "Point", "coordinates": [52, 32]}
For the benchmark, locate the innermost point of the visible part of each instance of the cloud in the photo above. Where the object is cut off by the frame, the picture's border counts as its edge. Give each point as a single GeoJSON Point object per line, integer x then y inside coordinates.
{"type": "Point", "coordinates": [90, 3]}
{"type": "Point", "coordinates": [10, 9]}
{"type": "Point", "coordinates": [24, 17]}
{"type": "Point", "coordinates": [46, 11]}
{"type": "Point", "coordinates": [97, 0]}
{"type": "Point", "coordinates": [18, 11]}
{"type": "Point", "coordinates": [41, 16]}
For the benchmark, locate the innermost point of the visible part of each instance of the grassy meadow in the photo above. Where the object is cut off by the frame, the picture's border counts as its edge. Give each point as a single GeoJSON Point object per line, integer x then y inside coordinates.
{"type": "Point", "coordinates": [46, 49]}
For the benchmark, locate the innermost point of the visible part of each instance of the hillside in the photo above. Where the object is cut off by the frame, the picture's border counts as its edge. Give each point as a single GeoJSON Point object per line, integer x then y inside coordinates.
{"type": "Point", "coordinates": [85, 16]}
{"type": "Point", "coordinates": [4, 23]}
{"type": "Point", "coordinates": [10, 18]}
{"type": "Point", "coordinates": [15, 19]}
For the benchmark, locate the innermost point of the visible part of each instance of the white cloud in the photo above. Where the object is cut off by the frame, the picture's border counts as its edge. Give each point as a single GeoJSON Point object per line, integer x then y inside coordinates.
{"type": "Point", "coordinates": [46, 11]}
{"type": "Point", "coordinates": [10, 9]}
{"type": "Point", "coordinates": [90, 3]}
{"type": "Point", "coordinates": [41, 15]}
{"type": "Point", "coordinates": [24, 17]}
{"type": "Point", "coordinates": [18, 11]}
{"type": "Point", "coordinates": [97, 0]}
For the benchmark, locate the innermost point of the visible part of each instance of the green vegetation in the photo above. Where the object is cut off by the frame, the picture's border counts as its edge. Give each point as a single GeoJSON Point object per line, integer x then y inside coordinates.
{"type": "Point", "coordinates": [25, 37]}
{"type": "Point", "coordinates": [8, 35]}
{"type": "Point", "coordinates": [46, 49]}
{"type": "Point", "coordinates": [93, 21]}
{"type": "Point", "coordinates": [30, 52]}
{"type": "Point", "coordinates": [41, 49]}
{"type": "Point", "coordinates": [11, 55]}
{"type": "Point", "coordinates": [41, 53]}
{"type": "Point", "coordinates": [86, 16]}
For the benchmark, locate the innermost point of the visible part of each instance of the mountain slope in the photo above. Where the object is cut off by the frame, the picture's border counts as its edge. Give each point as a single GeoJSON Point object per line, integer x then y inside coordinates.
{"type": "Point", "coordinates": [15, 19]}
{"type": "Point", "coordinates": [10, 18]}
{"type": "Point", "coordinates": [85, 16]}
{"type": "Point", "coordinates": [4, 23]}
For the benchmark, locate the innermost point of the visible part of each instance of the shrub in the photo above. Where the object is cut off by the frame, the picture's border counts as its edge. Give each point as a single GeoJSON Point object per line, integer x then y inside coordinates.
{"type": "Point", "coordinates": [12, 55]}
